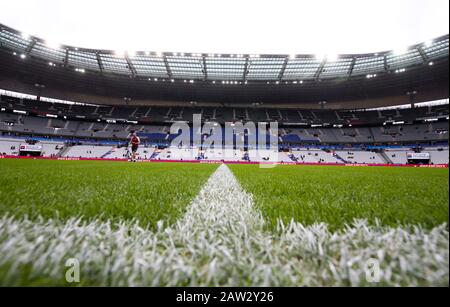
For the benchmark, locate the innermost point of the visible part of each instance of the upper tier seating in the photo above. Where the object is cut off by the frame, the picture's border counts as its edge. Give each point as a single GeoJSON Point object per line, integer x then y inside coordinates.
{"type": "Point", "coordinates": [223, 114]}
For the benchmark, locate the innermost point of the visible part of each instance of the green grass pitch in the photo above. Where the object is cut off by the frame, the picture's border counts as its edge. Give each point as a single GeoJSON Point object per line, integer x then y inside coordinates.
{"type": "Point", "coordinates": [146, 192]}
{"type": "Point", "coordinates": [107, 214]}
{"type": "Point", "coordinates": [149, 192]}
{"type": "Point", "coordinates": [337, 195]}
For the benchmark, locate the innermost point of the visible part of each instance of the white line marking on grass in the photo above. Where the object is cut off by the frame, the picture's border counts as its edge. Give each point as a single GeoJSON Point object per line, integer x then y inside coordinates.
{"type": "Point", "coordinates": [221, 241]}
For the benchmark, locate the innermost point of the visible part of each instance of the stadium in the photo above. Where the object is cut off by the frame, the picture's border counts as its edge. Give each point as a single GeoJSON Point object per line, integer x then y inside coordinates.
{"type": "Point", "coordinates": [249, 169]}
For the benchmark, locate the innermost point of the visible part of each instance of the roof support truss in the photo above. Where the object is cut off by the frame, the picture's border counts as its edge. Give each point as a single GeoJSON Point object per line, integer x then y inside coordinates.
{"type": "Point", "coordinates": [166, 63]}
{"type": "Point", "coordinates": [320, 69]}
{"type": "Point", "coordinates": [283, 68]}
{"type": "Point", "coordinates": [246, 66]}
{"type": "Point", "coordinates": [99, 61]}
{"type": "Point", "coordinates": [352, 66]}
{"type": "Point", "coordinates": [204, 70]}
{"type": "Point", "coordinates": [66, 58]}
{"type": "Point", "coordinates": [422, 54]}
{"type": "Point", "coordinates": [30, 47]}
{"type": "Point", "coordinates": [131, 66]}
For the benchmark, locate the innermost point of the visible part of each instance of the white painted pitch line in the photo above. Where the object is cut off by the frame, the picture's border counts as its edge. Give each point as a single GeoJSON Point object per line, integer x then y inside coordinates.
{"type": "Point", "coordinates": [221, 207]}
{"type": "Point", "coordinates": [221, 241]}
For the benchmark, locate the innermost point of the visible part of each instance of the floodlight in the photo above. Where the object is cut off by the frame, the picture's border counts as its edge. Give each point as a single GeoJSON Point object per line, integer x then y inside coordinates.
{"type": "Point", "coordinates": [332, 57]}
{"type": "Point", "coordinates": [52, 45]}
{"type": "Point", "coordinates": [119, 53]}
{"type": "Point", "coordinates": [320, 56]}
{"type": "Point", "coordinates": [400, 50]}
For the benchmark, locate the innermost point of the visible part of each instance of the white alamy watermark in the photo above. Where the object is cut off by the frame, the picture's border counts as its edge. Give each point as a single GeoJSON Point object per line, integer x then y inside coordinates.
{"type": "Point", "coordinates": [252, 142]}
{"type": "Point", "coordinates": [73, 270]}
{"type": "Point", "coordinates": [372, 269]}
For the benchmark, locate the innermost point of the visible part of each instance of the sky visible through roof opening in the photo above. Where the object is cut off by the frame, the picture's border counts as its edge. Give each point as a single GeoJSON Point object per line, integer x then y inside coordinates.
{"type": "Point", "coordinates": [233, 26]}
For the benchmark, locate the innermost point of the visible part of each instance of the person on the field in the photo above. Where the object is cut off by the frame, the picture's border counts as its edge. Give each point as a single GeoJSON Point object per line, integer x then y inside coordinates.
{"type": "Point", "coordinates": [134, 142]}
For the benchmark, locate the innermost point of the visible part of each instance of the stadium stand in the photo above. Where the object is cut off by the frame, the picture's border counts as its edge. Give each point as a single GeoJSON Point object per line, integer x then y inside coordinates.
{"type": "Point", "coordinates": [86, 151]}
{"type": "Point", "coordinates": [438, 155]}
{"type": "Point", "coordinates": [10, 146]}
{"type": "Point", "coordinates": [362, 157]}
{"type": "Point", "coordinates": [224, 114]}
{"type": "Point", "coordinates": [315, 155]}
{"type": "Point", "coordinates": [433, 131]}
{"type": "Point", "coordinates": [321, 116]}
{"type": "Point", "coordinates": [94, 124]}
{"type": "Point", "coordinates": [397, 155]}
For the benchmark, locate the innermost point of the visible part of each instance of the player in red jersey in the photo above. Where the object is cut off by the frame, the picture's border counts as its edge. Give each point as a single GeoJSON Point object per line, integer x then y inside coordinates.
{"type": "Point", "coordinates": [134, 142]}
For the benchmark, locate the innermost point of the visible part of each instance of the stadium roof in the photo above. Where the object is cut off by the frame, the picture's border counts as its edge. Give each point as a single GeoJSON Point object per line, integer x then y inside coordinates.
{"type": "Point", "coordinates": [224, 70]}
{"type": "Point", "coordinates": [223, 67]}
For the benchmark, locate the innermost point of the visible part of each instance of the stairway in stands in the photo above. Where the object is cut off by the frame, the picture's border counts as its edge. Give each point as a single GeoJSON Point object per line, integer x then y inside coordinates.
{"type": "Point", "coordinates": [154, 155]}
{"type": "Point", "coordinates": [340, 158]}
{"type": "Point", "coordinates": [108, 153]}
{"type": "Point", "coordinates": [63, 151]}
{"type": "Point", "coordinates": [385, 158]}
